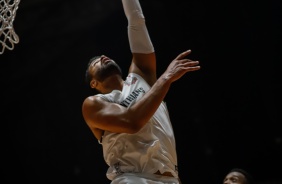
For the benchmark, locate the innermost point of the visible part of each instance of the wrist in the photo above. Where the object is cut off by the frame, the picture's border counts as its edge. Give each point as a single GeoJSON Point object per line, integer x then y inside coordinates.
{"type": "Point", "coordinates": [165, 80]}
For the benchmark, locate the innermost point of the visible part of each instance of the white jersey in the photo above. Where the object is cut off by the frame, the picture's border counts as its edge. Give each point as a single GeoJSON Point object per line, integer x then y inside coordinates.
{"type": "Point", "coordinates": [151, 149]}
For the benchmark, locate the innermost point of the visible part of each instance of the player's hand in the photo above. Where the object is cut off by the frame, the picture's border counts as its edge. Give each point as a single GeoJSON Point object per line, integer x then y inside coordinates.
{"type": "Point", "coordinates": [179, 66]}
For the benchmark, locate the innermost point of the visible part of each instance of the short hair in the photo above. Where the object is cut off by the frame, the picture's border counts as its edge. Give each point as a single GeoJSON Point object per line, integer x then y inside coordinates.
{"type": "Point", "coordinates": [88, 76]}
{"type": "Point", "coordinates": [247, 175]}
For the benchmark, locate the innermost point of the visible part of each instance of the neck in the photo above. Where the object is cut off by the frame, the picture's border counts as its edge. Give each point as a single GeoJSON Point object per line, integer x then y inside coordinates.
{"type": "Point", "coordinates": [114, 82]}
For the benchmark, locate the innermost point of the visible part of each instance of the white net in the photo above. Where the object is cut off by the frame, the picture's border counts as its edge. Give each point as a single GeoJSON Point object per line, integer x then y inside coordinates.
{"type": "Point", "coordinates": [8, 36]}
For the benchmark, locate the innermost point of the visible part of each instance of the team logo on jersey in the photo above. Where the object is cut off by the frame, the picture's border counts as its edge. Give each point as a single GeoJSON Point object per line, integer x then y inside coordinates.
{"type": "Point", "coordinates": [130, 80]}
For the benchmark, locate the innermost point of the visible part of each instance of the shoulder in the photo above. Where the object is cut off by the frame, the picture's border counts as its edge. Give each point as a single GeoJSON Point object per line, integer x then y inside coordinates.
{"type": "Point", "coordinates": [91, 108]}
{"type": "Point", "coordinates": [91, 103]}
{"type": "Point", "coordinates": [89, 100]}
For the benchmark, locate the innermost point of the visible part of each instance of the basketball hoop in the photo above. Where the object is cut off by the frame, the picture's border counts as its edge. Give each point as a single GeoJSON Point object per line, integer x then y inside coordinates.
{"type": "Point", "coordinates": [8, 37]}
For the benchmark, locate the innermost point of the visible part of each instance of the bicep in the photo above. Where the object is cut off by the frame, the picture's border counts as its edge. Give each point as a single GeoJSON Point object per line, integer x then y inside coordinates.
{"type": "Point", "coordinates": [104, 115]}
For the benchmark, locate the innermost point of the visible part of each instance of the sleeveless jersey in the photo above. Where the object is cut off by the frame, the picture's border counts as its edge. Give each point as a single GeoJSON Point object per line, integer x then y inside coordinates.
{"type": "Point", "coordinates": [147, 151]}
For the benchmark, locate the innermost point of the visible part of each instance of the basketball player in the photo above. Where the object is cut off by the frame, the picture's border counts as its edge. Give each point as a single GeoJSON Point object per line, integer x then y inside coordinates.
{"type": "Point", "coordinates": [238, 176]}
{"type": "Point", "coordinates": [129, 117]}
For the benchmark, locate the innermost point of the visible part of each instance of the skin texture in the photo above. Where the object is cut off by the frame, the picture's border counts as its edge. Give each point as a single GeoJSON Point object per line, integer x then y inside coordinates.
{"type": "Point", "coordinates": [235, 178]}
{"type": "Point", "coordinates": [101, 115]}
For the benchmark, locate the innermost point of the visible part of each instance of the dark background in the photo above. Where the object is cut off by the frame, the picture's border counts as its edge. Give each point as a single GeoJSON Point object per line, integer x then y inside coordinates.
{"type": "Point", "coordinates": [225, 115]}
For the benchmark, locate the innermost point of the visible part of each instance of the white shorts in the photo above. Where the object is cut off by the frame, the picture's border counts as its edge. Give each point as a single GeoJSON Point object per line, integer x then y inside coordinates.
{"type": "Point", "coordinates": [142, 178]}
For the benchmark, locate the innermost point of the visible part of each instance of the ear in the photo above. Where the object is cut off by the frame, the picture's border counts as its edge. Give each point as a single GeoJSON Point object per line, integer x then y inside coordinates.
{"type": "Point", "coordinates": [93, 83]}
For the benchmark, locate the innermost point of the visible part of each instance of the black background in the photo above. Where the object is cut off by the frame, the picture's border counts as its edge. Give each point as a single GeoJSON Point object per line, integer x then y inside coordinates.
{"type": "Point", "coordinates": [225, 115]}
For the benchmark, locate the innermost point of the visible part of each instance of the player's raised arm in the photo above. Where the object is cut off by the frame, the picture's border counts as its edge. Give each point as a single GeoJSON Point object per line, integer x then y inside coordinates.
{"type": "Point", "coordinates": [144, 60]}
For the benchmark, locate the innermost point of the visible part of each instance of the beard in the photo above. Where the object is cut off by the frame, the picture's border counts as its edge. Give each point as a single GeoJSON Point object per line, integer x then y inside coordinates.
{"type": "Point", "coordinates": [107, 70]}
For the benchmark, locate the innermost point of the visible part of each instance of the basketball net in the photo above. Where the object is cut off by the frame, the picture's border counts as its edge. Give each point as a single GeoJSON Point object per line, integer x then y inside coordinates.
{"type": "Point", "coordinates": [8, 37]}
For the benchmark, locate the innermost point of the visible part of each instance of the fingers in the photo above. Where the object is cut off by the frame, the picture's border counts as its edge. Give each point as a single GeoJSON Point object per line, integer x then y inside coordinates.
{"type": "Point", "coordinates": [193, 68]}
{"type": "Point", "coordinates": [183, 54]}
{"type": "Point", "coordinates": [187, 65]}
{"type": "Point", "coordinates": [188, 62]}
{"type": "Point", "coordinates": [191, 65]}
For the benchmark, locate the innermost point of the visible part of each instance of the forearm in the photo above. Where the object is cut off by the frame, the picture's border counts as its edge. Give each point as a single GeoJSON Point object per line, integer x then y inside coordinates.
{"type": "Point", "coordinates": [139, 39]}
{"type": "Point", "coordinates": [144, 109]}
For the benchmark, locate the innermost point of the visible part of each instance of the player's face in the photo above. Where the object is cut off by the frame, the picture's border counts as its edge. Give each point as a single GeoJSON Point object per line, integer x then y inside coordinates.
{"type": "Point", "coordinates": [103, 67]}
{"type": "Point", "coordinates": [234, 178]}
